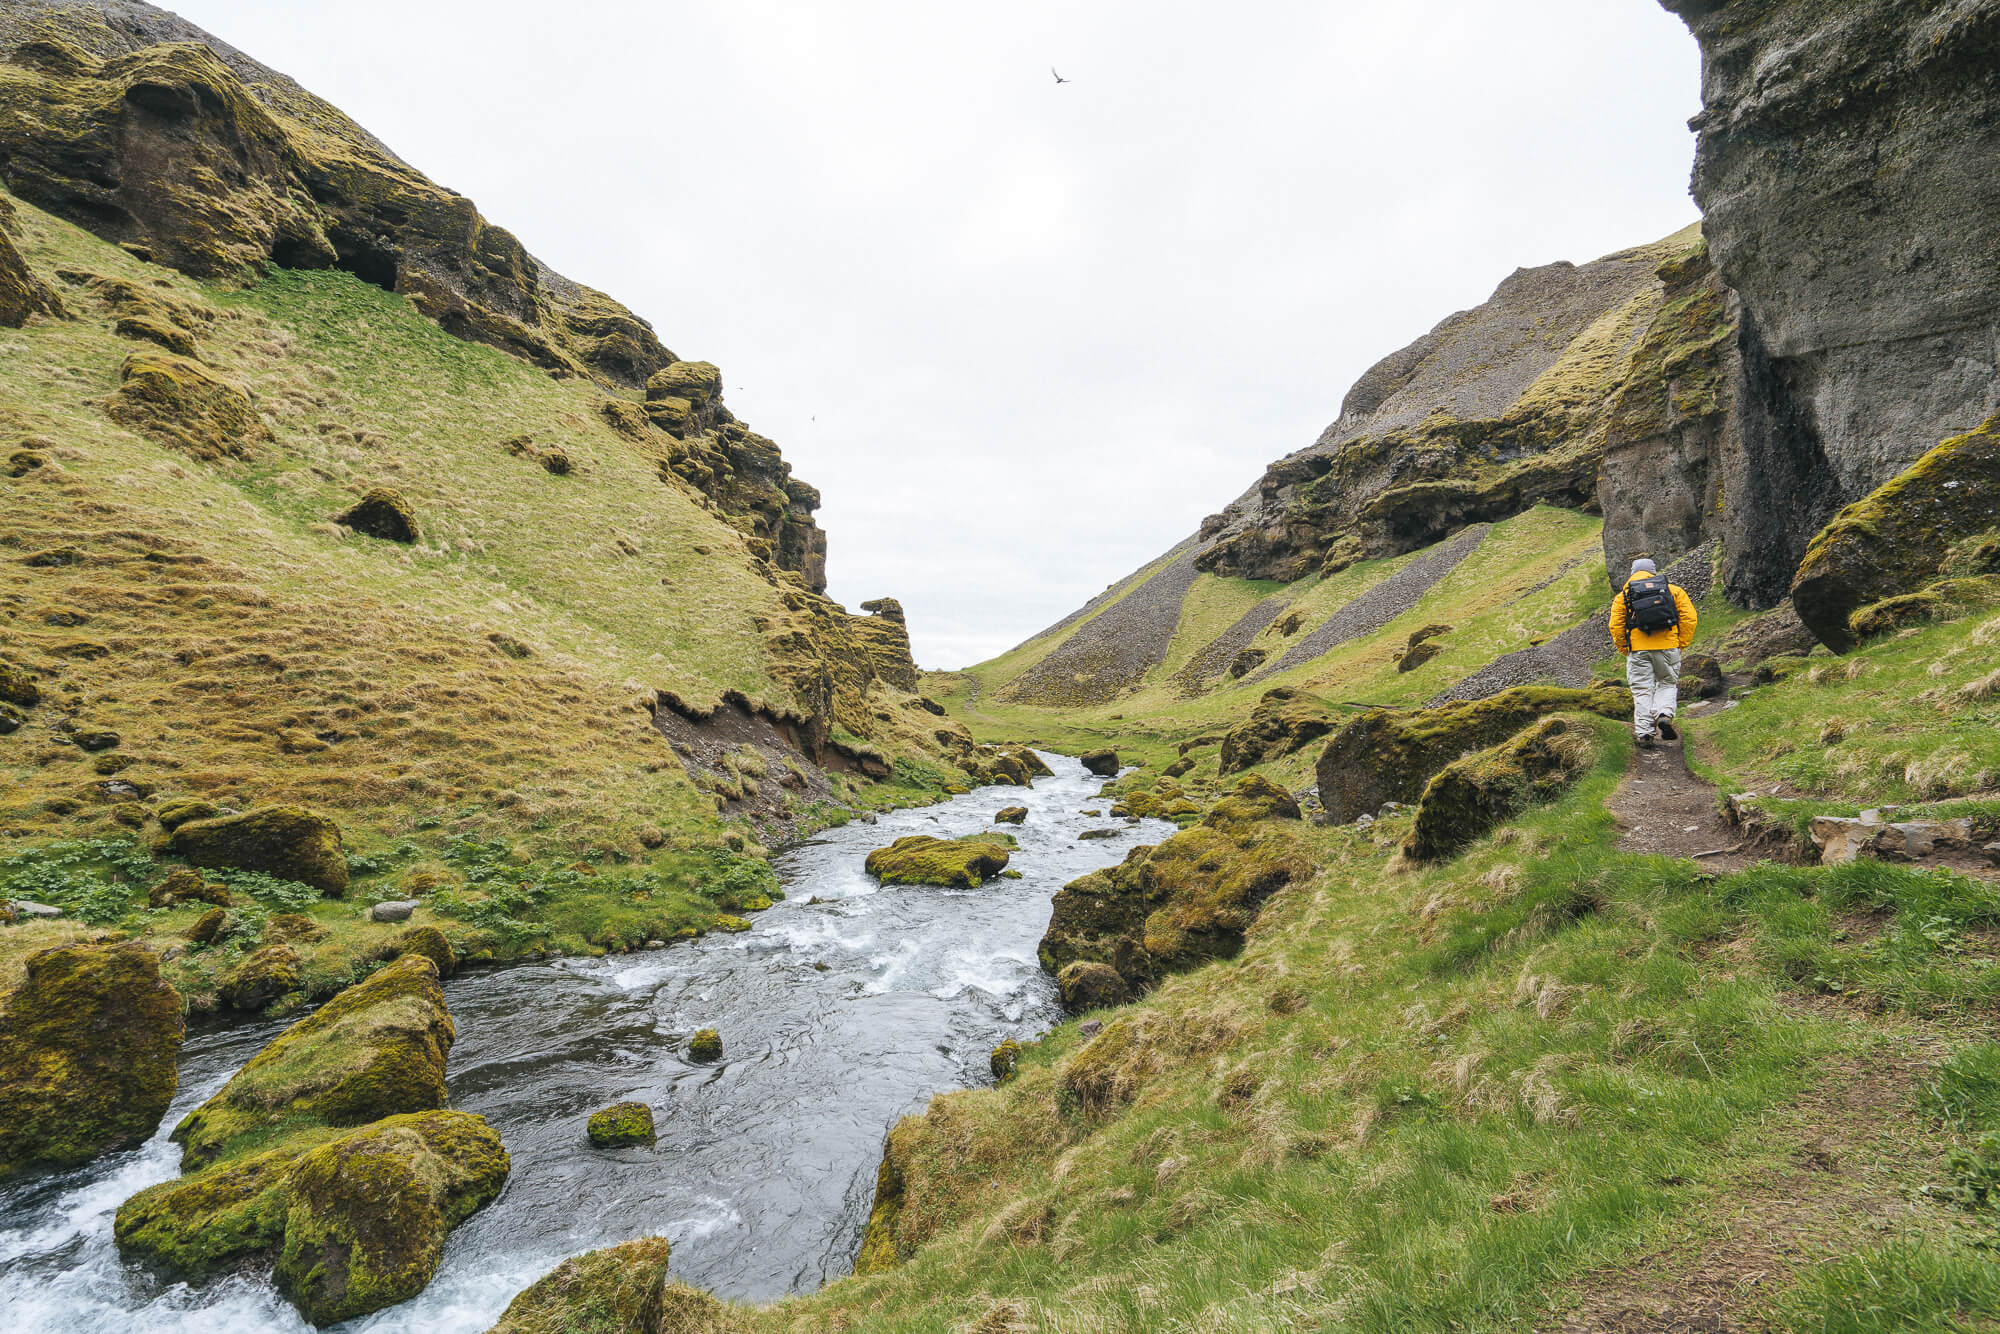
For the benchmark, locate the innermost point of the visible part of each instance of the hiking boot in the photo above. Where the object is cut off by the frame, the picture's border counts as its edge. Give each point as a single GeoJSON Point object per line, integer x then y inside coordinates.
{"type": "Point", "coordinates": [1667, 729]}
{"type": "Point", "coordinates": [1645, 742]}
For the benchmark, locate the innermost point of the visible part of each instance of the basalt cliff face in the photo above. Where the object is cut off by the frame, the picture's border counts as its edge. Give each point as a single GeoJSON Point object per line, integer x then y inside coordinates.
{"type": "Point", "coordinates": [1845, 174]}
{"type": "Point", "coordinates": [134, 124]}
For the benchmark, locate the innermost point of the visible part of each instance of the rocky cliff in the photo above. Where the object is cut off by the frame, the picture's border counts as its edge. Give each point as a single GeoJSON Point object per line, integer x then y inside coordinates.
{"type": "Point", "coordinates": [138, 126]}
{"type": "Point", "coordinates": [1845, 177]}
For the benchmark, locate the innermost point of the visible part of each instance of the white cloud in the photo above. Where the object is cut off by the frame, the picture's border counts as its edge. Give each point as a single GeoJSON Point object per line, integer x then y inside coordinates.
{"type": "Point", "coordinates": [1043, 329]}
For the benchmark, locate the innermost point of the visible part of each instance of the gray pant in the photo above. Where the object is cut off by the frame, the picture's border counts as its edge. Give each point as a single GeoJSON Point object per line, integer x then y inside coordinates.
{"type": "Point", "coordinates": [1655, 678]}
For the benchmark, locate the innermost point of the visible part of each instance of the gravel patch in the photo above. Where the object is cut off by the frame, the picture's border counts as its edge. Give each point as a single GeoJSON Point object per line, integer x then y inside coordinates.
{"type": "Point", "coordinates": [1117, 649]}
{"type": "Point", "coordinates": [1215, 659]}
{"type": "Point", "coordinates": [1567, 659]}
{"type": "Point", "coordinates": [1393, 597]}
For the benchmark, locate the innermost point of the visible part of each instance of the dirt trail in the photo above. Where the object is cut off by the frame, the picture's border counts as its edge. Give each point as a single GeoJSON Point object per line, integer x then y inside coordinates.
{"type": "Point", "coordinates": [1664, 810]}
{"type": "Point", "coordinates": [1845, 1182]}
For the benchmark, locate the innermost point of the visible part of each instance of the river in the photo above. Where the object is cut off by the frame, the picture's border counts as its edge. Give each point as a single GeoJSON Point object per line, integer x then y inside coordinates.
{"type": "Point", "coordinates": [837, 1017]}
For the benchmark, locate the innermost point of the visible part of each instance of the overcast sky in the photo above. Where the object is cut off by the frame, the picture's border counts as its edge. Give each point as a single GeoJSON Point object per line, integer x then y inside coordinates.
{"type": "Point", "coordinates": [1023, 336]}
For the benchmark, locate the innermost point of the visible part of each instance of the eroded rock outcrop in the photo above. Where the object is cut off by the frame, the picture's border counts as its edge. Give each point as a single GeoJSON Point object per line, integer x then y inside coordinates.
{"type": "Point", "coordinates": [89, 1050]}
{"type": "Point", "coordinates": [1844, 174]}
{"type": "Point", "coordinates": [1392, 754]}
{"type": "Point", "coordinates": [22, 293]}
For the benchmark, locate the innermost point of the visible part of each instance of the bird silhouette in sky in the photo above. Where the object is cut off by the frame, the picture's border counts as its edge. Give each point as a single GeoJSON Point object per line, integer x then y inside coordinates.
{"type": "Point", "coordinates": [1059, 78]}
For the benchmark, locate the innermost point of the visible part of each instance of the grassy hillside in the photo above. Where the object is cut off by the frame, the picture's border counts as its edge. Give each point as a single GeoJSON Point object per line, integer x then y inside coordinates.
{"type": "Point", "coordinates": [483, 693]}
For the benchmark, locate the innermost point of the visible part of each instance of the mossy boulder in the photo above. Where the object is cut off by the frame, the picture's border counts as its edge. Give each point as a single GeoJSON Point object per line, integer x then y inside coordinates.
{"type": "Point", "coordinates": [1473, 794]}
{"type": "Point", "coordinates": [1897, 539]}
{"type": "Point", "coordinates": [182, 403]}
{"type": "Point", "coordinates": [1255, 798]}
{"type": "Point", "coordinates": [1003, 1060]}
{"type": "Point", "coordinates": [431, 943]}
{"type": "Point", "coordinates": [1103, 763]}
{"type": "Point", "coordinates": [159, 332]}
{"type": "Point", "coordinates": [353, 1223]}
{"type": "Point", "coordinates": [89, 1051]}
{"type": "Point", "coordinates": [186, 885]}
{"type": "Point", "coordinates": [1088, 985]}
{"type": "Point", "coordinates": [617, 1290]}
{"type": "Point", "coordinates": [1172, 907]}
{"type": "Point", "coordinates": [705, 1045]}
{"type": "Point", "coordinates": [289, 842]}
{"type": "Point", "coordinates": [1036, 766]}
{"type": "Point", "coordinates": [175, 813]}
{"type": "Point", "coordinates": [620, 1125]}
{"type": "Point", "coordinates": [377, 1049]}
{"type": "Point", "coordinates": [1701, 677]}
{"type": "Point", "coordinates": [1945, 600]}
{"type": "Point", "coordinates": [919, 859]}
{"type": "Point", "coordinates": [1392, 754]}
{"type": "Point", "coordinates": [18, 686]}
{"type": "Point", "coordinates": [207, 928]}
{"type": "Point", "coordinates": [267, 975]}
{"type": "Point", "coordinates": [383, 514]}
{"type": "Point", "coordinates": [1010, 815]}
{"type": "Point", "coordinates": [1284, 722]}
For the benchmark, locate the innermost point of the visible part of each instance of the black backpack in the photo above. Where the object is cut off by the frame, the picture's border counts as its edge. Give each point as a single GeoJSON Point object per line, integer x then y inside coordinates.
{"type": "Point", "coordinates": [1649, 605]}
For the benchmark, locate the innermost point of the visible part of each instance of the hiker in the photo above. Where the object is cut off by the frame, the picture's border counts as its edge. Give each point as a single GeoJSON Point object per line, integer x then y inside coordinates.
{"type": "Point", "coordinates": [1651, 622]}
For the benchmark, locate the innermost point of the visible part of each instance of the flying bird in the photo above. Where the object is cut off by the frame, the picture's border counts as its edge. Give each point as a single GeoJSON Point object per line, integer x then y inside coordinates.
{"type": "Point", "coordinates": [1059, 78]}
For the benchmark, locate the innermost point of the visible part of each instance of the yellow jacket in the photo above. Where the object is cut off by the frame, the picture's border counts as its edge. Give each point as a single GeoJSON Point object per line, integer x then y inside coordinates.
{"type": "Point", "coordinates": [1646, 641]}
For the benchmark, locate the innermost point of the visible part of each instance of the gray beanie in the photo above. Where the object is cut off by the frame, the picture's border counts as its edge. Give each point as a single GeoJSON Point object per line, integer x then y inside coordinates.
{"type": "Point", "coordinates": [1644, 566]}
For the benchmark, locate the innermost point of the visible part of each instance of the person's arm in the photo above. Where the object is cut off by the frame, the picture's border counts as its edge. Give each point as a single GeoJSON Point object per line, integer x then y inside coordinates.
{"type": "Point", "coordinates": [1619, 639]}
{"type": "Point", "coordinates": [1685, 605]}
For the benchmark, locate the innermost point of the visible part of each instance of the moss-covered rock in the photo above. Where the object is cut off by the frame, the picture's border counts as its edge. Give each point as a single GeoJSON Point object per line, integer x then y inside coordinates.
{"type": "Point", "coordinates": [705, 1045]}
{"type": "Point", "coordinates": [1255, 798]}
{"type": "Point", "coordinates": [1036, 766]}
{"type": "Point", "coordinates": [620, 1125]}
{"type": "Point", "coordinates": [1897, 539]}
{"type": "Point", "coordinates": [1477, 792]}
{"type": "Point", "coordinates": [18, 686]}
{"type": "Point", "coordinates": [1284, 722]}
{"type": "Point", "coordinates": [89, 1051]}
{"type": "Point", "coordinates": [1169, 908]}
{"type": "Point", "coordinates": [161, 333]}
{"type": "Point", "coordinates": [354, 1223]}
{"type": "Point", "coordinates": [377, 1049]}
{"type": "Point", "coordinates": [1087, 985]}
{"type": "Point", "coordinates": [187, 885]}
{"type": "Point", "coordinates": [175, 813]}
{"type": "Point", "coordinates": [881, 1251]}
{"type": "Point", "coordinates": [1103, 763]}
{"type": "Point", "coordinates": [269, 974]}
{"type": "Point", "coordinates": [183, 403]}
{"type": "Point", "coordinates": [1003, 1060]}
{"type": "Point", "coordinates": [383, 514]}
{"type": "Point", "coordinates": [1392, 754]}
{"type": "Point", "coordinates": [429, 942]}
{"type": "Point", "coordinates": [617, 1290]}
{"type": "Point", "coordinates": [207, 928]}
{"type": "Point", "coordinates": [289, 842]}
{"type": "Point", "coordinates": [1945, 600]}
{"type": "Point", "coordinates": [919, 859]}
{"type": "Point", "coordinates": [1701, 677]}
{"type": "Point", "coordinates": [1010, 815]}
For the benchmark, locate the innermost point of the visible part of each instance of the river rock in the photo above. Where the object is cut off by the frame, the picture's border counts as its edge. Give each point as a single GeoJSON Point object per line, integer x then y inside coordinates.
{"type": "Point", "coordinates": [1011, 815]}
{"type": "Point", "coordinates": [89, 1049]}
{"type": "Point", "coordinates": [1103, 763]}
{"type": "Point", "coordinates": [395, 910]}
{"type": "Point", "coordinates": [705, 1045]}
{"type": "Point", "coordinates": [918, 859]}
{"type": "Point", "coordinates": [622, 1124]}
{"type": "Point", "coordinates": [619, 1290]}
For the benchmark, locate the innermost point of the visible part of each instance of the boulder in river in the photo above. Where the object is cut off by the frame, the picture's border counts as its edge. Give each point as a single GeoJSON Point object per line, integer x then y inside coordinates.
{"type": "Point", "coordinates": [89, 1049]}
{"type": "Point", "coordinates": [1103, 763]}
{"type": "Point", "coordinates": [618, 1290]}
{"type": "Point", "coordinates": [705, 1045]}
{"type": "Point", "coordinates": [919, 859]}
{"type": "Point", "coordinates": [622, 1124]}
{"type": "Point", "coordinates": [330, 1155]}
{"type": "Point", "coordinates": [1011, 815]}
